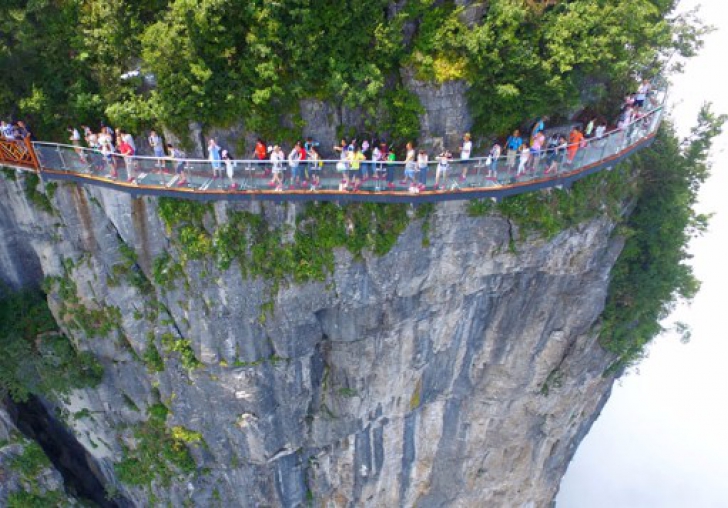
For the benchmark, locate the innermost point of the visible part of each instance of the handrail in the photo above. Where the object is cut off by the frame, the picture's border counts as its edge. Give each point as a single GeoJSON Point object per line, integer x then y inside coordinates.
{"type": "Point", "coordinates": [18, 153]}
{"type": "Point", "coordinates": [502, 177]}
{"type": "Point", "coordinates": [334, 179]}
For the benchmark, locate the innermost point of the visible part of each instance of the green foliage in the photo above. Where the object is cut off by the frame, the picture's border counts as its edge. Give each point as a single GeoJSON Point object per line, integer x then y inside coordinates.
{"type": "Point", "coordinates": [186, 218]}
{"type": "Point", "coordinates": [152, 359]}
{"type": "Point", "coordinates": [94, 322]}
{"type": "Point", "coordinates": [129, 269]}
{"type": "Point", "coordinates": [348, 392]}
{"type": "Point", "coordinates": [262, 251]}
{"type": "Point", "coordinates": [159, 454]}
{"type": "Point", "coordinates": [652, 274]}
{"type": "Point", "coordinates": [166, 270]}
{"type": "Point", "coordinates": [219, 61]}
{"type": "Point", "coordinates": [183, 435]}
{"type": "Point", "coordinates": [400, 118]}
{"type": "Point", "coordinates": [51, 188]}
{"type": "Point", "coordinates": [552, 211]}
{"type": "Point", "coordinates": [425, 212]}
{"type": "Point", "coordinates": [36, 358]}
{"type": "Point", "coordinates": [183, 347]}
{"type": "Point", "coordinates": [39, 199]}
{"type": "Point", "coordinates": [30, 462]}
{"type": "Point", "coordinates": [9, 173]}
{"type": "Point", "coordinates": [29, 465]}
{"type": "Point", "coordinates": [37, 499]}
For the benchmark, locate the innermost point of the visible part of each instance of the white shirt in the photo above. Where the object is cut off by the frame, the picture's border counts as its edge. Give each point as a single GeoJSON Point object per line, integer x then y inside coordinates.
{"type": "Point", "coordinates": [467, 148]}
{"type": "Point", "coordinates": [294, 157]}
{"type": "Point", "coordinates": [422, 160]}
{"type": "Point", "coordinates": [642, 91]}
{"type": "Point", "coordinates": [276, 157]}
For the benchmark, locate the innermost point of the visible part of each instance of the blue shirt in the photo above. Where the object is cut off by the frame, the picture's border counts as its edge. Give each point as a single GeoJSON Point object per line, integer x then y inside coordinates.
{"type": "Point", "coordinates": [514, 143]}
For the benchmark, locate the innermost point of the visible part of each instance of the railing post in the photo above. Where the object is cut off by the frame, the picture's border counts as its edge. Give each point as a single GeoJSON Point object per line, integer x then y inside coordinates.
{"type": "Point", "coordinates": [61, 158]}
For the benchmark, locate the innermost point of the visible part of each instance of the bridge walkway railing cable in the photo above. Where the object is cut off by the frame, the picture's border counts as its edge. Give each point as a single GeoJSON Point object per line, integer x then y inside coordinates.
{"type": "Point", "coordinates": [332, 180]}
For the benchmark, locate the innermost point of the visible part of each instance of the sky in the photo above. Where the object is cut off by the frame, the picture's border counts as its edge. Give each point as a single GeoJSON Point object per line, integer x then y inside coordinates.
{"type": "Point", "coordinates": [662, 439]}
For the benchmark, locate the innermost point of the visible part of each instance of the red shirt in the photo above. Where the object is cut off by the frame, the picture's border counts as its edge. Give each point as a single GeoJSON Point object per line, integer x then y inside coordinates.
{"type": "Point", "coordinates": [260, 151]}
{"type": "Point", "coordinates": [125, 149]}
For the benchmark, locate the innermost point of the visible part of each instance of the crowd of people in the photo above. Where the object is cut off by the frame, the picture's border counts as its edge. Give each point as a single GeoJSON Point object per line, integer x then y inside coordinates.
{"type": "Point", "coordinates": [15, 131]}
{"type": "Point", "coordinates": [358, 161]}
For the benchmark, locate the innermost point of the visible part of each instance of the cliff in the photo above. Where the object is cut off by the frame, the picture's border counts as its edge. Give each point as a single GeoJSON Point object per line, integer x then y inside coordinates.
{"type": "Point", "coordinates": [459, 367]}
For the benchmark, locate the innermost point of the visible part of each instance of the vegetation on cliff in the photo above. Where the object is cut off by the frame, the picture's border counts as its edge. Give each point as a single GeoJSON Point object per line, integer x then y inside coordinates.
{"type": "Point", "coordinates": [36, 358]}
{"type": "Point", "coordinates": [660, 186]}
{"type": "Point", "coordinates": [652, 273]}
{"type": "Point", "coordinates": [219, 62]}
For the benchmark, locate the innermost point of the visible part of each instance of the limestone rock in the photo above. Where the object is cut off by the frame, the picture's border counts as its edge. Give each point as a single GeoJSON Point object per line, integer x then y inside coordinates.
{"type": "Point", "coordinates": [459, 374]}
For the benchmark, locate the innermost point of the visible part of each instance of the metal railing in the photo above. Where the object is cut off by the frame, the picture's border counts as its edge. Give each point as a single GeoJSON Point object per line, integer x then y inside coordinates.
{"type": "Point", "coordinates": [18, 154]}
{"type": "Point", "coordinates": [339, 180]}
{"type": "Point", "coordinates": [329, 179]}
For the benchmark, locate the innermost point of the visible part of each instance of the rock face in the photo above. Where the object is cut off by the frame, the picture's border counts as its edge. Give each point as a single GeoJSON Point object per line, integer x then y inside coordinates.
{"type": "Point", "coordinates": [463, 373]}
{"type": "Point", "coordinates": [24, 469]}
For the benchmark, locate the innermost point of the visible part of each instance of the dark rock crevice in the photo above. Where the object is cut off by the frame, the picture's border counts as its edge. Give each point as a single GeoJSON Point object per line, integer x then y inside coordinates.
{"type": "Point", "coordinates": [80, 472]}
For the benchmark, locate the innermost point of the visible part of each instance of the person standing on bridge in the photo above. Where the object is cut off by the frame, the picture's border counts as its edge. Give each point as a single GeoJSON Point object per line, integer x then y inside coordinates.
{"type": "Point", "coordinates": [539, 126]}
{"type": "Point", "coordinates": [492, 160]}
{"type": "Point", "coordinates": [6, 130]}
{"type": "Point", "coordinates": [551, 153]}
{"type": "Point", "coordinates": [513, 145]}
{"type": "Point", "coordinates": [178, 156]}
{"type": "Point", "coordinates": [309, 145]}
{"type": "Point", "coordinates": [23, 131]}
{"type": "Point", "coordinates": [260, 154]}
{"type": "Point", "coordinates": [158, 148]}
{"type": "Point", "coordinates": [75, 139]}
{"type": "Point", "coordinates": [277, 157]}
{"type": "Point", "coordinates": [641, 95]}
{"type": "Point", "coordinates": [294, 160]}
{"type": "Point", "coordinates": [107, 152]}
{"type": "Point", "coordinates": [315, 167]}
{"type": "Point", "coordinates": [229, 167]}
{"type": "Point", "coordinates": [355, 158]}
{"type": "Point", "coordinates": [423, 161]}
{"type": "Point", "coordinates": [465, 150]}
{"type": "Point", "coordinates": [525, 156]}
{"type": "Point", "coordinates": [575, 140]}
{"type": "Point", "coordinates": [443, 164]}
{"type": "Point", "coordinates": [391, 158]}
{"type": "Point", "coordinates": [213, 155]}
{"type": "Point", "coordinates": [537, 150]}
{"type": "Point", "coordinates": [126, 151]}
{"type": "Point", "coordinates": [410, 165]}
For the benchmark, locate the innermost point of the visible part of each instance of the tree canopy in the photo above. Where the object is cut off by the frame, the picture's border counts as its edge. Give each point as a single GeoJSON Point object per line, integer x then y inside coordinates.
{"type": "Point", "coordinates": [217, 61]}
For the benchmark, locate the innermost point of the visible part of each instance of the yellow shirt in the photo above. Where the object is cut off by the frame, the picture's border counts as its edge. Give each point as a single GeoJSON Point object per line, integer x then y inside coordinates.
{"type": "Point", "coordinates": [355, 158]}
